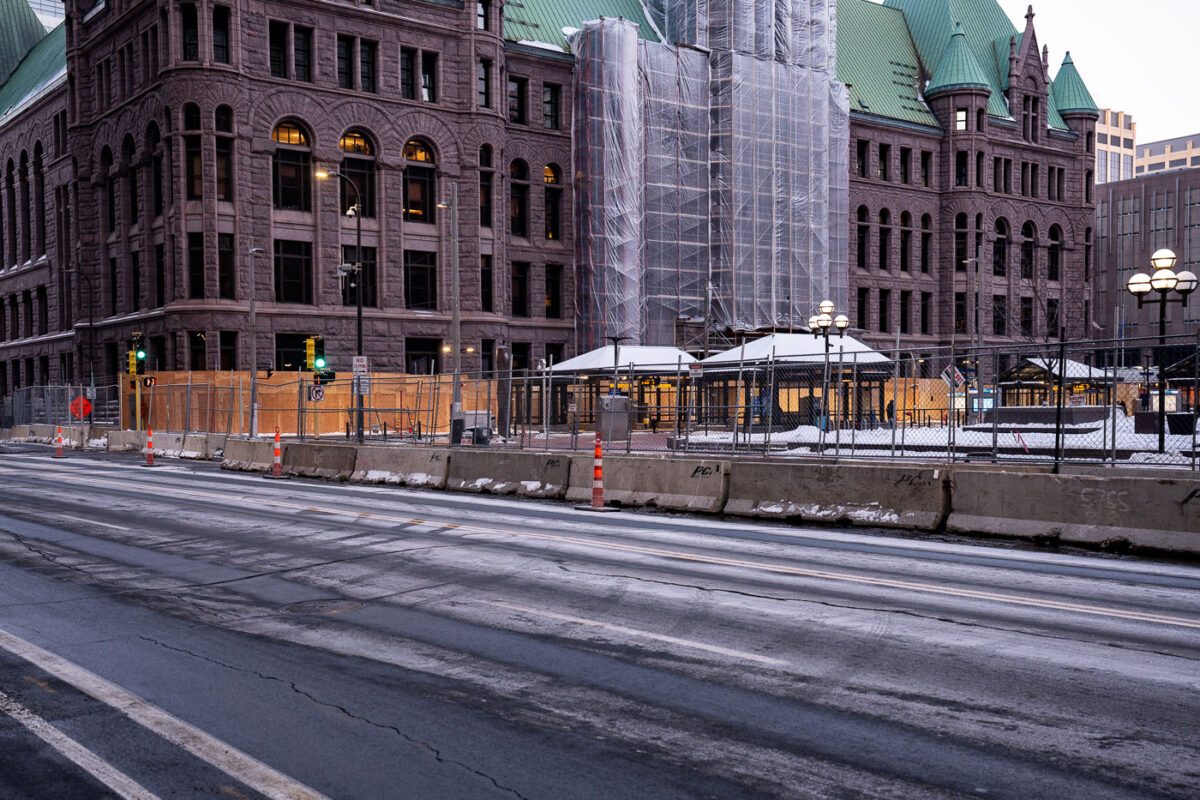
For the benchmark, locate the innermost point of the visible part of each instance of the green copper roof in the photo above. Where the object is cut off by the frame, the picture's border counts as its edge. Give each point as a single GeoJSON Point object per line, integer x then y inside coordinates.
{"type": "Point", "coordinates": [19, 32]}
{"type": "Point", "coordinates": [543, 20]}
{"type": "Point", "coordinates": [875, 56]}
{"type": "Point", "coordinates": [1069, 92]}
{"type": "Point", "coordinates": [957, 68]}
{"type": "Point", "coordinates": [38, 69]}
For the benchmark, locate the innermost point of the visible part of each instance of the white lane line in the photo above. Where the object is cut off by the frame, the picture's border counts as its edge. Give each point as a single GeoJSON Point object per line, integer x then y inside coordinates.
{"type": "Point", "coordinates": [658, 637]}
{"type": "Point", "coordinates": [76, 753]}
{"type": "Point", "coordinates": [223, 756]}
{"type": "Point", "coordinates": [93, 522]}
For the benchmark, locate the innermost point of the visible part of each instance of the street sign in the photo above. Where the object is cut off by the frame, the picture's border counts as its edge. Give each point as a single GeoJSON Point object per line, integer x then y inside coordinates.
{"type": "Point", "coordinates": [89, 392]}
{"type": "Point", "coordinates": [696, 370]}
{"type": "Point", "coordinates": [362, 384]}
{"type": "Point", "coordinates": [359, 365]}
{"type": "Point", "coordinates": [316, 393]}
{"type": "Point", "coordinates": [571, 408]}
{"type": "Point", "coordinates": [956, 381]}
{"type": "Point", "coordinates": [80, 407]}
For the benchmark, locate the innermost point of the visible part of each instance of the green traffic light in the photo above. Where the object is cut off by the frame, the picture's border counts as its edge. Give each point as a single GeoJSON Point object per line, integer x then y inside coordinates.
{"type": "Point", "coordinates": [141, 355]}
{"type": "Point", "coordinates": [319, 363]}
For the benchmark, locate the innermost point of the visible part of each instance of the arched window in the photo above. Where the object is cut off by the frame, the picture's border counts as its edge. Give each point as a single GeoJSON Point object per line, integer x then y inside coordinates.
{"type": "Point", "coordinates": [885, 237]}
{"type": "Point", "coordinates": [1028, 241]}
{"type": "Point", "coordinates": [1054, 253]}
{"type": "Point", "coordinates": [110, 190]}
{"type": "Point", "coordinates": [552, 177]}
{"type": "Point", "coordinates": [39, 200]}
{"type": "Point", "coordinates": [960, 242]}
{"type": "Point", "coordinates": [129, 163]}
{"type": "Point", "coordinates": [926, 242]}
{"type": "Point", "coordinates": [223, 118]}
{"type": "Point", "coordinates": [518, 173]}
{"type": "Point", "coordinates": [1000, 248]}
{"type": "Point", "coordinates": [153, 140]}
{"type": "Point", "coordinates": [191, 117]}
{"type": "Point", "coordinates": [420, 182]}
{"type": "Point", "coordinates": [358, 164]}
{"type": "Point", "coordinates": [905, 241]}
{"type": "Point", "coordinates": [10, 215]}
{"type": "Point", "coordinates": [291, 168]}
{"type": "Point", "coordinates": [24, 201]}
{"type": "Point", "coordinates": [863, 240]}
{"type": "Point", "coordinates": [486, 182]}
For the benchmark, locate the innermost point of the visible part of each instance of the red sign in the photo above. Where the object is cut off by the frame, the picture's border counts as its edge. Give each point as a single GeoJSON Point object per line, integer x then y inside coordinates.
{"type": "Point", "coordinates": [80, 407]}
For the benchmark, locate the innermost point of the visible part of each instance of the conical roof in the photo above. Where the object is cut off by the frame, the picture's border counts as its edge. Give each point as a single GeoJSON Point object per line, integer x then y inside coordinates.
{"type": "Point", "coordinates": [19, 32]}
{"type": "Point", "coordinates": [1071, 96]}
{"type": "Point", "coordinates": [957, 68]}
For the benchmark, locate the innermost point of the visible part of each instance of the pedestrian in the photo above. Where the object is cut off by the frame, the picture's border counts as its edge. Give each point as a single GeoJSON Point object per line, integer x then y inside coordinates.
{"type": "Point", "coordinates": [890, 412]}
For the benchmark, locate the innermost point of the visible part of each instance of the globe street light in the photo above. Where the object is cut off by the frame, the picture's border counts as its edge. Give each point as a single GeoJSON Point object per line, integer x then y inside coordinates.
{"type": "Point", "coordinates": [820, 325]}
{"type": "Point", "coordinates": [456, 412]}
{"type": "Point", "coordinates": [1164, 281]}
{"type": "Point", "coordinates": [355, 211]}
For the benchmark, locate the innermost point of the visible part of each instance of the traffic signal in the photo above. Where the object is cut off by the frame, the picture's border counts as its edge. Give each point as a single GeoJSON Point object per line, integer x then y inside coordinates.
{"type": "Point", "coordinates": [139, 352]}
{"type": "Point", "coordinates": [310, 352]}
{"type": "Point", "coordinates": [319, 362]}
{"type": "Point", "coordinates": [324, 376]}
{"type": "Point", "coordinates": [133, 362]}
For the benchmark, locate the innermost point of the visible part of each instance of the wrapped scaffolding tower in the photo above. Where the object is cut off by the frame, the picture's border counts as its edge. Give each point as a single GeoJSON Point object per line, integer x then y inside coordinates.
{"type": "Point", "coordinates": [740, 137]}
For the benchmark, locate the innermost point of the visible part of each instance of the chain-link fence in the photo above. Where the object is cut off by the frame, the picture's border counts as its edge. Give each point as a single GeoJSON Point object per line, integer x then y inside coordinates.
{"type": "Point", "coordinates": [1123, 402]}
{"type": "Point", "coordinates": [62, 405]}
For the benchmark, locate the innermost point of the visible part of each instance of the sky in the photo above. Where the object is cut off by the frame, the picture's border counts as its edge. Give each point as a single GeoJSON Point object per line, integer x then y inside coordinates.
{"type": "Point", "coordinates": [1138, 58]}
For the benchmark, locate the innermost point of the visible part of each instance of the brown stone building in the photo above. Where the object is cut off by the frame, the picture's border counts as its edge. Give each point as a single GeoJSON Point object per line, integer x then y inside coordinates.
{"type": "Point", "coordinates": [971, 199]}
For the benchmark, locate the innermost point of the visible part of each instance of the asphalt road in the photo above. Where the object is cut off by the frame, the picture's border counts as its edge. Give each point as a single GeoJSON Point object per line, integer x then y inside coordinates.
{"type": "Point", "coordinates": [184, 632]}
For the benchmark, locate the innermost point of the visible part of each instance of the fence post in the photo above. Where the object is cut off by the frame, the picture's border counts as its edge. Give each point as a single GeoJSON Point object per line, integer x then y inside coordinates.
{"type": "Point", "coordinates": [1058, 405]}
{"type": "Point", "coordinates": [995, 404]}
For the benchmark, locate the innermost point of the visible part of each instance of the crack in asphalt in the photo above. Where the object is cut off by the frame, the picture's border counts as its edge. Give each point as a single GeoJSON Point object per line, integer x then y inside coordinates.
{"type": "Point", "coordinates": [436, 753]}
{"type": "Point", "coordinates": [901, 611]}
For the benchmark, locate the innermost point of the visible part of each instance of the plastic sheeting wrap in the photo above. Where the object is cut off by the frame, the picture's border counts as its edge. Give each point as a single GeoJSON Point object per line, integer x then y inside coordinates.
{"type": "Point", "coordinates": [743, 153]}
{"type": "Point", "coordinates": [676, 95]}
{"type": "Point", "coordinates": [608, 160]}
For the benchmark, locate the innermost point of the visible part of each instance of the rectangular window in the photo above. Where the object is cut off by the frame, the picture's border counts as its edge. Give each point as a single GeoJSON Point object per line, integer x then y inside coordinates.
{"type": "Point", "coordinates": [225, 266]}
{"type": "Point", "coordinates": [905, 311]}
{"type": "Point", "coordinates": [906, 165]}
{"type": "Point", "coordinates": [517, 91]}
{"type": "Point", "coordinates": [293, 272]}
{"type": "Point", "coordinates": [195, 167]}
{"type": "Point", "coordinates": [361, 173]}
{"type": "Point", "coordinates": [367, 274]}
{"type": "Point", "coordinates": [960, 168]}
{"type": "Point", "coordinates": [408, 73]}
{"type": "Point", "coordinates": [960, 119]}
{"type": "Point", "coordinates": [926, 167]}
{"type": "Point", "coordinates": [224, 169]}
{"type": "Point", "coordinates": [420, 280]}
{"type": "Point", "coordinates": [135, 290]}
{"type": "Point", "coordinates": [197, 351]}
{"type": "Point", "coordinates": [960, 312]}
{"type": "Point", "coordinates": [485, 283]}
{"type": "Point", "coordinates": [863, 153]}
{"type": "Point", "coordinates": [345, 62]}
{"type": "Point", "coordinates": [190, 30]}
{"type": "Point", "coordinates": [484, 83]}
{"type": "Point", "coordinates": [160, 276]}
{"type": "Point", "coordinates": [999, 315]}
{"type": "Point", "coordinates": [1027, 316]}
{"type": "Point", "coordinates": [429, 77]}
{"type": "Point", "coordinates": [367, 51]}
{"type": "Point", "coordinates": [485, 199]}
{"type": "Point", "coordinates": [228, 342]}
{"type": "Point", "coordinates": [1052, 321]}
{"type": "Point", "coordinates": [278, 34]}
{"type": "Point", "coordinates": [553, 213]}
{"type": "Point", "coordinates": [885, 306]}
{"type": "Point", "coordinates": [864, 307]}
{"type": "Point", "coordinates": [554, 274]}
{"type": "Point", "coordinates": [520, 289]}
{"type": "Point", "coordinates": [885, 159]}
{"type": "Point", "coordinates": [519, 209]}
{"type": "Point", "coordinates": [292, 190]}
{"type": "Point", "coordinates": [550, 101]}
{"type": "Point", "coordinates": [487, 356]}
{"type": "Point", "coordinates": [195, 241]}
{"type": "Point", "coordinates": [220, 32]}
{"type": "Point", "coordinates": [302, 53]}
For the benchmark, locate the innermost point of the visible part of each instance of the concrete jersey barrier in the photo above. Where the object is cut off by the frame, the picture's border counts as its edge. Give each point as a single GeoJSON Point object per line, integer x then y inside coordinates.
{"type": "Point", "coordinates": [409, 466]}
{"type": "Point", "coordinates": [1159, 513]}
{"type": "Point", "coordinates": [900, 496]}
{"type": "Point", "coordinates": [254, 455]}
{"type": "Point", "coordinates": [315, 460]}
{"type": "Point", "coordinates": [681, 484]}
{"type": "Point", "coordinates": [531, 474]}
{"type": "Point", "coordinates": [125, 440]}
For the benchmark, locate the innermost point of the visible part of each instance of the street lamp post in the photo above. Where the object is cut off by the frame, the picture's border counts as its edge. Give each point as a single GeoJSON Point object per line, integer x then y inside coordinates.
{"type": "Point", "coordinates": [91, 321]}
{"type": "Point", "coordinates": [820, 324]}
{"type": "Point", "coordinates": [456, 415]}
{"type": "Point", "coordinates": [356, 211]}
{"type": "Point", "coordinates": [252, 252]}
{"type": "Point", "coordinates": [1164, 281]}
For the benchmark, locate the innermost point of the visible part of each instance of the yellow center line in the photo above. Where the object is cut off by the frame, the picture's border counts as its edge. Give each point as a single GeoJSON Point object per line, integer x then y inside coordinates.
{"type": "Point", "coordinates": [679, 555]}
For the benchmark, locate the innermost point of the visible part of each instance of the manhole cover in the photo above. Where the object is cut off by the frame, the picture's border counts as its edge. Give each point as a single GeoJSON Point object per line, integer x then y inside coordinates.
{"type": "Point", "coordinates": [323, 606]}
